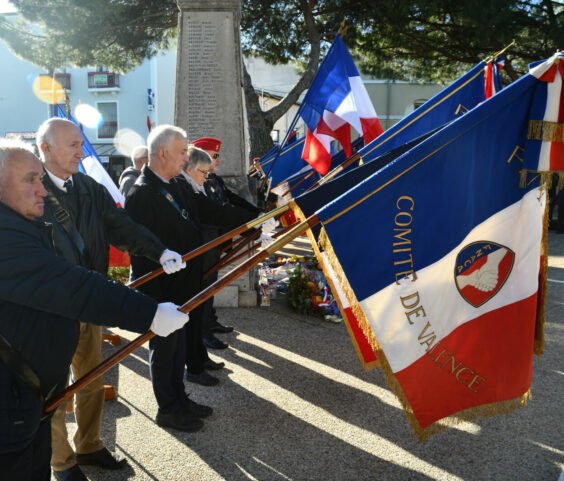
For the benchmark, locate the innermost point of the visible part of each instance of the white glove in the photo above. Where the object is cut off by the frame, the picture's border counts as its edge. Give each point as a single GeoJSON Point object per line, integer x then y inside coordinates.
{"type": "Point", "coordinates": [269, 225]}
{"type": "Point", "coordinates": [171, 261]}
{"type": "Point", "coordinates": [168, 319]}
{"type": "Point", "coordinates": [266, 240]}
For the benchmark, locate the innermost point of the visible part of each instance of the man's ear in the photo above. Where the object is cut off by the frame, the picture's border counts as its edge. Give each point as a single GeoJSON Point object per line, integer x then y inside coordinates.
{"type": "Point", "coordinates": [161, 153]}
{"type": "Point", "coordinates": [45, 147]}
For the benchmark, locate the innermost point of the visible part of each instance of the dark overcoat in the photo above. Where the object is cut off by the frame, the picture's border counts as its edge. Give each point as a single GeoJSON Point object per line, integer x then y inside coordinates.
{"type": "Point", "coordinates": [147, 205]}
{"type": "Point", "coordinates": [42, 298]}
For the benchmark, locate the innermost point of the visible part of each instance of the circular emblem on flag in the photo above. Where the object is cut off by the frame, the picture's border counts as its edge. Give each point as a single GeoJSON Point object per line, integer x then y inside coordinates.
{"type": "Point", "coordinates": [481, 270]}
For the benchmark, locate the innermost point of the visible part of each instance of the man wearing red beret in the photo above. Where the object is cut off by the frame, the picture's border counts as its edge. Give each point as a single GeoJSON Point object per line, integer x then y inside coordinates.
{"type": "Point", "coordinates": [215, 186]}
{"type": "Point", "coordinates": [216, 190]}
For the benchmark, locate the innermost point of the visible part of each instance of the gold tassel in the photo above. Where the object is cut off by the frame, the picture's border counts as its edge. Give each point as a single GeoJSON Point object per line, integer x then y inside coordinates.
{"type": "Point", "coordinates": [523, 179]}
{"type": "Point", "coordinates": [546, 131]}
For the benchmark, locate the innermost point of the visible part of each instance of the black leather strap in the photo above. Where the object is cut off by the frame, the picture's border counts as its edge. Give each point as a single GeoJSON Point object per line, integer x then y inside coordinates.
{"type": "Point", "coordinates": [63, 218]}
{"type": "Point", "coordinates": [168, 196]}
{"type": "Point", "coordinates": [17, 364]}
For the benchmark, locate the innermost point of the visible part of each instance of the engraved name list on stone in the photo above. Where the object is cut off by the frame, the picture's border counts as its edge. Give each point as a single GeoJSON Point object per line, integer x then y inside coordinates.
{"type": "Point", "coordinates": [204, 78]}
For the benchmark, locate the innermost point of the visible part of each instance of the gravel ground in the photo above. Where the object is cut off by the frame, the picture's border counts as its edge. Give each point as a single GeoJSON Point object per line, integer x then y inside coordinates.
{"type": "Point", "coordinates": [295, 404]}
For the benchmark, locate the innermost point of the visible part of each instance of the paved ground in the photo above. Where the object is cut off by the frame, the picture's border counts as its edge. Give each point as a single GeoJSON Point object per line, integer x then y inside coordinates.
{"type": "Point", "coordinates": [295, 404]}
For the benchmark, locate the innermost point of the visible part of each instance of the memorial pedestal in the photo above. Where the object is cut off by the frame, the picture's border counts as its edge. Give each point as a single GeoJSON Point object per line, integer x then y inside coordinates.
{"type": "Point", "coordinates": [209, 96]}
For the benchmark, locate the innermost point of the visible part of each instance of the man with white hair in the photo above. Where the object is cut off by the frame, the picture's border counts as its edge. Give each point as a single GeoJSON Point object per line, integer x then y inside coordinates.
{"type": "Point", "coordinates": [87, 220]}
{"type": "Point", "coordinates": [159, 202]}
{"type": "Point", "coordinates": [139, 157]}
{"type": "Point", "coordinates": [42, 297]}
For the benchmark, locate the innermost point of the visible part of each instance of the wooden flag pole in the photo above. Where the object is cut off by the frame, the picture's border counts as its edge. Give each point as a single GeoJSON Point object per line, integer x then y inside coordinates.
{"type": "Point", "coordinates": [330, 175]}
{"type": "Point", "coordinates": [223, 262]}
{"type": "Point", "coordinates": [241, 243]}
{"type": "Point", "coordinates": [187, 307]}
{"type": "Point", "coordinates": [298, 183]}
{"type": "Point", "coordinates": [236, 244]}
{"type": "Point", "coordinates": [214, 243]}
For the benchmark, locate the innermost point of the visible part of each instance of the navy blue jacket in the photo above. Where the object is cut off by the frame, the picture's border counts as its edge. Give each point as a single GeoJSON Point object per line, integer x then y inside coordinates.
{"type": "Point", "coordinates": [42, 299]}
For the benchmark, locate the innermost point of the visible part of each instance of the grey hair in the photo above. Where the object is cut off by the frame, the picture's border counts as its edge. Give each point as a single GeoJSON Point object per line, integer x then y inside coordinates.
{"type": "Point", "coordinates": [9, 146]}
{"type": "Point", "coordinates": [46, 130]}
{"type": "Point", "coordinates": [161, 136]}
{"type": "Point", "coordinates": [138, 152]}
{"type": "Point", "coordinates": [197, 156]}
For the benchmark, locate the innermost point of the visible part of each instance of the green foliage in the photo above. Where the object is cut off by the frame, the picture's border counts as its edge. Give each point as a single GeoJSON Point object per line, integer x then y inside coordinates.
{"type": "Point", "coordinates": [428, 39]}
{"type": "Point", "coordinates": [116, 34]}
{"type": "Point", "coordinates": [439, 39]}
{"type": "Point", "coordinates": [304, 292]}
{"type": "Point", "coordinates": [119, 274]}
{"type": "Point", "coordinates": [277, 31]}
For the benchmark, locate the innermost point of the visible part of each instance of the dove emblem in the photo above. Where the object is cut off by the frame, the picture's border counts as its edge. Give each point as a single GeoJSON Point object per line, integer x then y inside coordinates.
{"type": "Point", "coordinates": [481, 271]}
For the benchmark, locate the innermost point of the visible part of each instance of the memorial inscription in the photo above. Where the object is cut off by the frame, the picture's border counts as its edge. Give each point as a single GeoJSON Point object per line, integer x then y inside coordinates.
{"type": "Point", "coordinates": [204, 78]}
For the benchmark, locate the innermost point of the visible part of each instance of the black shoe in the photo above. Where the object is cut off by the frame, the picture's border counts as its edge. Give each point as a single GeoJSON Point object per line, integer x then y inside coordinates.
{"type": "Point", "coordinates": [71, 474]}
{"type": "Point", "coordinates": [214, 343]}
{"type": "Point", "coordinates": [212, 365]}
{"type": "Point", "coordinates": [203, 378]}
{"type": "Point", "coordinates": [217, 327]}
{"type": "Point", "coordinates": [197, 410]}
{"type": "Point", "coordinates": [179, 419]}
{"type": "Point", "coordinates": [102, 459]}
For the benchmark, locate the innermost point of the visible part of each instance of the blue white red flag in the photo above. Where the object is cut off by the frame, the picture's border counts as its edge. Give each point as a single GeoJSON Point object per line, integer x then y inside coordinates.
{"type": "Point", "coordinates": [439, 255]}
{"type": "Point", "coordinates": [545, 148]}
{"type": "Point", "coordinates": [492, 83]}
{"type": "Point", "coordinates": [335, 101]}
{"type": "Point", "coordinates": [92, 166]}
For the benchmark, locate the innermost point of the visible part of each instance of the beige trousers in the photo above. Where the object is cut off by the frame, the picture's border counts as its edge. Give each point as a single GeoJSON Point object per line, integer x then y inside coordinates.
{"type": "Point", "coordinates": [89, 403]}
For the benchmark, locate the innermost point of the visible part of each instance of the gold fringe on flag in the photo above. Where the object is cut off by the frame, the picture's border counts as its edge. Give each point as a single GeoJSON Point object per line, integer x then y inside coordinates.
{"type": "Point", "coordinates": [538, 346]}
{"type": "Point", "coordinates": [349, 293]}
{"type": "Point", "coordinates": [368, 366]}
{"type": "Point", "coordinates": [546, 131]}
{"type": "Point", "coordinates": [560, 181]}
{"type": "Point", "coordinates": [422, 434]}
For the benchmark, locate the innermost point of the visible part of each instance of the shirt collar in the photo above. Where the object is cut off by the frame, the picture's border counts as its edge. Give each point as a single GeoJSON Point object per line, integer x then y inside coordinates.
{"type": "Point", "coordinates": [59, 183]}
{"type": "Point", "coordinates": [164, 180]}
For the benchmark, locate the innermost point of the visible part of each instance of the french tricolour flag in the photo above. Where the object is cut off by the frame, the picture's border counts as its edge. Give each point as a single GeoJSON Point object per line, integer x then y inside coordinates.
{"type": "Point", "coordinates": [492, 83]}
{"type": "Point", "coordinates": [439, 255]}
{"type": "Point", "coordinates": [336, 100]}
{"type": "Point", "coordinates": [545, 149]}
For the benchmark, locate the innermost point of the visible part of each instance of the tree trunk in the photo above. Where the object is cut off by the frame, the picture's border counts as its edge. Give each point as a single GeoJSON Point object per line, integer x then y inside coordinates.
{"type": "Point", "coordinates": [260, 122]}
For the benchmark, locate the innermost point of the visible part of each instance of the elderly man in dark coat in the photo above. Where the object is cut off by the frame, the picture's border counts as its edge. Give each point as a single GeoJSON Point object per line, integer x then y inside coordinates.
{"type": "Point", "coordinates": [86, 218]}
{"type": "Point", "coordinates": [42, 297]}
{"type": "Point", "coordinates": [166, 208]}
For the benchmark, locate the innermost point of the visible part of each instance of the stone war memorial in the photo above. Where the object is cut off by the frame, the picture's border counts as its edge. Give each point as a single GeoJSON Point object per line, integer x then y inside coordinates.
{"type": "Point", "coordinates": [209, 100]}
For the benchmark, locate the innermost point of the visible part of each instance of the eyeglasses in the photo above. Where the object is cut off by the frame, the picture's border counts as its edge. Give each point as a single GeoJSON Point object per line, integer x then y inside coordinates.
{"type": "Point", "coordinates": [215, 156]}
{"type": "Point", "coordinates": [204, 172]}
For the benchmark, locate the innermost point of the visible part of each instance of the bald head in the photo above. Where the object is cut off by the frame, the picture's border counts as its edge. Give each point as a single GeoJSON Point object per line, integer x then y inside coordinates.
{"type": "Point", "coordinates": [60, 146]}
